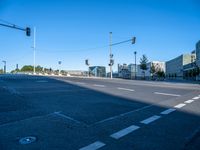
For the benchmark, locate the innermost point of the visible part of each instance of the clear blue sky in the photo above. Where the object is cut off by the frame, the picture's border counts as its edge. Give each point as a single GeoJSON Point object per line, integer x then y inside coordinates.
{"type": "Point", "coordinates": [68, 29]}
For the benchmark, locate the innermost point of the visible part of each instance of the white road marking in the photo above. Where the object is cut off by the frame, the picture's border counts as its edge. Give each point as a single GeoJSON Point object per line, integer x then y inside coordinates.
{"type": "Point", "coordinates": [124, 132]}
{"type": "Point", "coordinates": [189, 101]}
{"type": "Point", "coordinates": [93, 146]}
{"type": "Point", "coordinates": [42, 81]}
{"type": "Point", "coordinates": [179, 105]}
{"type": "Point", "coordinates": [123, 114]}
{"type": "Point", "coordinates": [167, 94]}
{"type": "Point", "coordinates": [98, 85]}
{"type": "Point", "coordinates": [125, 89]}
{"type": "Point", "coordinates": [66, 117]}
{"type": "Point", "coordinates": [195, 98]}
{"type": "Point", "coordinates": [168, 111]}
{"type": "Point", "coordinates": [150, 119]}
{"type": "Point", "coordinates": [80, 83]}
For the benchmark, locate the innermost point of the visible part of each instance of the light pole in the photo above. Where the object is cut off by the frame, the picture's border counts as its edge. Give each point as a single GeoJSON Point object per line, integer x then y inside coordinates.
{"type": "Point", "coordinates": [59, 62]}
{"type": "Point", "coordinates": [4, 66]}
{"type": "Point", "coordinates": [135, 53]}
{"type": "Point", "coordinates": [111, 55]}
{"type": "Point", "coordinates": [34, 37]}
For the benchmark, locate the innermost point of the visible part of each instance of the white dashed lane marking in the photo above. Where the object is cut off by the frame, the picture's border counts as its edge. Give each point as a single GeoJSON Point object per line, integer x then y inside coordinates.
{"type": "Point", "coordinates": [150, 119]}
{"type": "Point", "coordinates": [167, 94]}
{"type": "Point", "coordinates": [125, 89]}
{"type": "Point", "coordinates": [98, 85]}
{"type": "Point", "coordinates": [168, 111]}
{"type": "Point", "coordinates": [94, 146]}
{"type": "Point", "coordinates": [189, 101]}
{"type": "Point", "coordinates": [124, 132]}
{"type": "Point", "coordinates": [195, 98]}
{"type": "Point", "coordinates": [179, 105]}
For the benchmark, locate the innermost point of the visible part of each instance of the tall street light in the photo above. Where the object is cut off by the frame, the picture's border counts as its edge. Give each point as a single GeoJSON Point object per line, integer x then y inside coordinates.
{"type": "Point", "coordinates": [135, 53]}
{"type": "Point", "coordinates": [59, 71]}
{"type": "Point", "coordinates": [34, 47]}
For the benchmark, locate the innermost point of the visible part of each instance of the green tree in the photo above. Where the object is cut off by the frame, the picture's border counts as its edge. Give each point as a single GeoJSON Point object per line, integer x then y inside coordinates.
{"type": "Point", "coordinates": [153, 70]}
{"type": "Point", "coordinates": [143, 64]}
{"type": "Point", "coordinates": [27, 68]}
{"type": "Point", "coordinates": [38, 68]}
{"type": "Point", "coordinates": [1, 71]}
{"type": "Point", "coordinates": [197, 71]}
{"type": "Point", "coordinates": [160, 74]}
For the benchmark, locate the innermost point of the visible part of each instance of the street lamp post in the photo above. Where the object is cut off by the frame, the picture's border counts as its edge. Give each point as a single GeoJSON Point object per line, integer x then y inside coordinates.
{"type": "Point", "coordinates": [59, 62]}
{"type": "Point", "coordinates": [4, 66]}
{"type": "Point", "coordinates": [34, 37]}
{"type": "Point", "coordinates": [135, 53]}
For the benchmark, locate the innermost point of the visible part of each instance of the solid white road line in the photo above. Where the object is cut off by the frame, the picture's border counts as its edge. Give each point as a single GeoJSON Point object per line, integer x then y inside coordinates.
{"type": "Point", "coordinates": [66, 117]}
{"type": "Point", "coordinates": [179, 105]}
{"type": "Point", "coordinates": [123, 114]}
{"type": "Point", "coordinates": [79, 82]}
{"type": "Point", "coordinates": [98, 85]}
{"type": "Point", "coordinates": [167, 111]}
{"type": "Point", "coordinates": [131, 90]}
{"type": "Point", "coordinates": [167, 94]}
{"type": "Point", "coordinates": [124, 132]}
{"type": "Point", "coordinates": [195, 98]}
{"type": "Point", "coordinates": [150, 119]}
{"type": "Point", "coordinates": [93, 146]}
{"type": "Point", "coordinates": [189, 101]}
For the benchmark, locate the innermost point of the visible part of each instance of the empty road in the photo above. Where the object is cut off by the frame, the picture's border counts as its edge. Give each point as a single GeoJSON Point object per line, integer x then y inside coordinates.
{"type": "Point", "coordinates": [69, 113]}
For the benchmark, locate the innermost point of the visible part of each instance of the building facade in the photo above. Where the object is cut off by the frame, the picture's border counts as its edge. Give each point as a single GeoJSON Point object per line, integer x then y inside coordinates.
{"type": "Point", "coordinates": [158, 66]}
{"type": "Point", "coordinates": [97, 71]}
{"type": "Point", "coordinates": [133, 68]}
{"type": "Point", "coordinates": [133, 71]}
{"type": "Point", "coordinates": [198, 53]}
{"type": "Point", "coordinates": [123, 71]}
{"type": "Point", "coordinates": [174, 67]}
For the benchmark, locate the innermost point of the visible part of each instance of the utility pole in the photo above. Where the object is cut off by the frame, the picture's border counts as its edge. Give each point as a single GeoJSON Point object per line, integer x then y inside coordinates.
{"type": "Point", "coordinates": [111, 55]}
{"type": "Point", "coordinates": [135, 63]}
{"type": "Point", "coordinates": [34, 37]}
{"type": "Point", "coordinates": [4, 66]}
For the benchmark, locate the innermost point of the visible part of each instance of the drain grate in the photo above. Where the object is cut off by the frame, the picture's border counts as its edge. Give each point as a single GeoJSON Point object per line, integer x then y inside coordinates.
{"type": "Point", "coordinates": [27, 140]}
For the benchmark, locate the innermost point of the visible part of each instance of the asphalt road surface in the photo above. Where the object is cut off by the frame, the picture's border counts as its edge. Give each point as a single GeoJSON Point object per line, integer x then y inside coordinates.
{"type": "Point", "coordinates": [68, 113]}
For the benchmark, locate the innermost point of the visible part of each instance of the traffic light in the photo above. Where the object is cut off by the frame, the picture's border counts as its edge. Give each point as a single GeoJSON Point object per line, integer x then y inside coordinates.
{"type": "Point", "coordinates": [28, 31]}
{"type": "Point", "coordinates": [87, 62]}
{"type": "Point", "coordinates": [133, 40]}
{"type": "Point", "coordinates": [111, 62]}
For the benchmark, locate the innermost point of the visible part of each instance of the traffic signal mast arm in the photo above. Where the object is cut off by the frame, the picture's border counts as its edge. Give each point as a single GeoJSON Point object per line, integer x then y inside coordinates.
{"type": "Point", "coordinates": [27, 29]}
{"type": "Point", "coordinates": [133, 41]}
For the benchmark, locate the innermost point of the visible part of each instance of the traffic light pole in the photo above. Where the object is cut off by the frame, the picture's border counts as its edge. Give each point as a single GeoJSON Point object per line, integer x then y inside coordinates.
{"type": "Point", "coordinates": [110, 54]}
{"type": "Point", "coordinates": [27, 29]}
